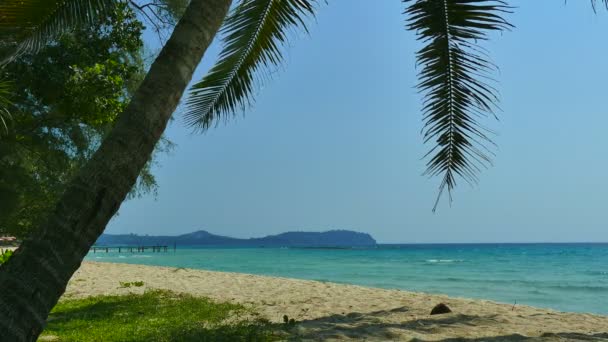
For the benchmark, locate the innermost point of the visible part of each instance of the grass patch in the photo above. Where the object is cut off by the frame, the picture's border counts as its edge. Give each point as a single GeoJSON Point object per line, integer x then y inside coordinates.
{"type": "Point", "coordinates": [134, 283]}
{"type": "Point", "coordinates": [153, 316]}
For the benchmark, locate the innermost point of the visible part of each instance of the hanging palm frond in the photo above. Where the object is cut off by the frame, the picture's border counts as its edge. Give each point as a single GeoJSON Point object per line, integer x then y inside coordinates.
{"type": "Point", "coordinates": [254, 35]}
{"type": "Point", "coordinates": [27, 25]}
{"type": "Point", "coordinates": [455, 79]}
{"type": "Point", "coordinates": [5, 93]}
{"type": "Point", "coordinates": [594, 4]}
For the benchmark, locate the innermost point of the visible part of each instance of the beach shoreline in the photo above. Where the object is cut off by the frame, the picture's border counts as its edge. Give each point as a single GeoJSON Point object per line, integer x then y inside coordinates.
{"type": "Point", "coordinates": [327, 310]}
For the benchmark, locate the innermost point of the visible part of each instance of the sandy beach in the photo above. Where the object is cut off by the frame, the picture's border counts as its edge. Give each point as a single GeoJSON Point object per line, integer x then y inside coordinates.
{"type": "Point", "coordinates": [329, 311]}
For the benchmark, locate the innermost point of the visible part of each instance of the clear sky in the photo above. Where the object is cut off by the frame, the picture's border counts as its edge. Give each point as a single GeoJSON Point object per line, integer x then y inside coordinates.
{"type": "Point", "coordinates": [333, 141]}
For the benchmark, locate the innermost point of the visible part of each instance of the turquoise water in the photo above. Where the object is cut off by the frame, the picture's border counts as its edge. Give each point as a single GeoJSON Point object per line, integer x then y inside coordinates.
{"type": "Point", "coordinates": [567, 277]}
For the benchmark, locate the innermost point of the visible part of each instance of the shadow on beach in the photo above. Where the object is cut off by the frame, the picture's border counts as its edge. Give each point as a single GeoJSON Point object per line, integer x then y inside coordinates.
{"type": "Point", "coordinates": [110, 313]}
{"type": "Point", "coordinates": [373, 326]}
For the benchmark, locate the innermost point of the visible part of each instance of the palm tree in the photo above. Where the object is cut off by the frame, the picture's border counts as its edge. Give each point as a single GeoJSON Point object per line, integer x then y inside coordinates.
{"type": "Point", "coordinates": [35, 277]}
{"type": "Point", "coordinates": [454, 78]}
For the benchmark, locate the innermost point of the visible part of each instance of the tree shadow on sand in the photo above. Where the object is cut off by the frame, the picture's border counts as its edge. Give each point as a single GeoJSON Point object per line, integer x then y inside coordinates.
{"type": "Point", "coordinates": [166, 316]}
{"type": "Point", "coordinates": [549, 337]}
{"type": "Point", "coordinates": [372, 326]}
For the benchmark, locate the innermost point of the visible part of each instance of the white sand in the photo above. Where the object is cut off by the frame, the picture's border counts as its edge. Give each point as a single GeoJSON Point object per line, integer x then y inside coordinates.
{"type": "Point", "coordinates": [328, 311]}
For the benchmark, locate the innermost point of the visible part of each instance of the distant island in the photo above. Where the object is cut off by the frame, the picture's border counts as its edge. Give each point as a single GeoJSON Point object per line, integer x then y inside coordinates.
{"type": "Point", "coordinates": [328, 239]}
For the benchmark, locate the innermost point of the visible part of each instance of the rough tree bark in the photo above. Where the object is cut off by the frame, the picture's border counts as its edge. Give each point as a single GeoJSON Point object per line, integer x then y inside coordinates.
{"type": "Point", "coordinates": [32, 281]}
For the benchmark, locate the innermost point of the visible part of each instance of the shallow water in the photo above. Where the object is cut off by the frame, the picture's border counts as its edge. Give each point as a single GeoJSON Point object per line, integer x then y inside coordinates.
{"type": "Point", "coordinates": [567, 277]}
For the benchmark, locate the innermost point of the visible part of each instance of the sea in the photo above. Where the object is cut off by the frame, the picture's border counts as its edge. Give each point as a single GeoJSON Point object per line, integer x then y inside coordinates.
{"type": "Point", "coordinates": [566, 277]}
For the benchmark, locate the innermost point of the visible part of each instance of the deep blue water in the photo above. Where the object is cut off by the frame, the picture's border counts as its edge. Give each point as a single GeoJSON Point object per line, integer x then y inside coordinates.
{"type": "Point", "coordinates": [567, 277]}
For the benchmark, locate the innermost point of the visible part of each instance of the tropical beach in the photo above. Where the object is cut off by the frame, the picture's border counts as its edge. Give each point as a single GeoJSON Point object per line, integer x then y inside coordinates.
{"type": "Point", "coordinates": [303, 170]}
{"type": "Point", "coordinates": [329, 311]}
{"type": "Point", "coordinates": [489, 299]}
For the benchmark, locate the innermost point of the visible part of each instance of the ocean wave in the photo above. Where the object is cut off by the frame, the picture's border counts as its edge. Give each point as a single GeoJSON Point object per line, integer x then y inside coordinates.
{"type": "Point", "coordinates": [433, 261]}
{"type": "Point", "coordinates": [535, 287]}
{"type": "Point", "coordinates": [538, 284]}
{"type": "Point", "coordinates": [536, 292]}
{"type": "Point", "coordinates": [460, 280]}
{"type": "Point", "coordinates": [590, 288]}
{"type": "Point", "coordinates": [509, 282]}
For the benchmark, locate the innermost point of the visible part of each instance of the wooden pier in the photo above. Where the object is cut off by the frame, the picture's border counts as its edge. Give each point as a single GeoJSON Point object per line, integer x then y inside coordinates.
{"type": "Point", "coordinates": [130, 249]}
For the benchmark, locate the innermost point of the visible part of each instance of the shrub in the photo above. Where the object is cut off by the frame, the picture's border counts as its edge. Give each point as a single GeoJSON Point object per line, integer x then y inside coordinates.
{"type": "Point", "coordinates": [5, 255]}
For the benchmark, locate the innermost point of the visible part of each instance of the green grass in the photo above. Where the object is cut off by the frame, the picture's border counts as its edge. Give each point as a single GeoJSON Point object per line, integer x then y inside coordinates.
{"type": "Point", "coordinates": [134, 283]}
{"type": "Point", "coordinates": [153, 316]}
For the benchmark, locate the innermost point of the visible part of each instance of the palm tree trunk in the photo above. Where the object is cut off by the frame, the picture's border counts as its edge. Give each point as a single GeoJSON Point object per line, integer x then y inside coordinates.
{"type": "Point", "coordinates": [32, 281]}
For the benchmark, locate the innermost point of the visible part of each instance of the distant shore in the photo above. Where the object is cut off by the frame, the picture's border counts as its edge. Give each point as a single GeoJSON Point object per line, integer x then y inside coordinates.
{"type": "Point", "coordinates": [334, 311]}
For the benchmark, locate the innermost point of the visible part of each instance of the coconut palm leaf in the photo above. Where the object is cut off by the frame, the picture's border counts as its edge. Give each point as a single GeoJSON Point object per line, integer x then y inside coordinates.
{"type": "Point", "coordinates": [455, 80]}
{"type": "Point", "coordinates": [594, 3]}
{"type": "Point", "coordinates": [254, 35]}
{"type": "Point", "coordinates": [5, 93]}
{"type": "Point", "coordinates": [27, 25]}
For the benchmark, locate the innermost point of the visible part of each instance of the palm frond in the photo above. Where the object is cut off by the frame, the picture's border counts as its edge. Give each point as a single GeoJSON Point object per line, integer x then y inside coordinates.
{"type": "Point", "coordinates": [5, 102]}
{"type": "Point", "coordinates": [254, 34]}
{"type": "Point", "coordinates": [594, 4]}
{"type": "Point", "coordinates": [27, 25]}
{"type": "Point", "coordinates": [455, 79]}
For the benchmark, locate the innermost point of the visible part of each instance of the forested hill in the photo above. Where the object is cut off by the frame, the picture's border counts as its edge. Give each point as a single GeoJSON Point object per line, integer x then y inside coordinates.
{"type": "Point", "coordinates": [332, 238]}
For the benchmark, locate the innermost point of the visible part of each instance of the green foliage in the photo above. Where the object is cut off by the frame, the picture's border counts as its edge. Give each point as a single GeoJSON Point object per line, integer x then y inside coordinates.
{"type": "Point", "coordinates": [254, 33]}
{"type": "Point", "coordinates": [5, 102]}
{"type": "Point", "coordinates": [5, 255]}
{"type": "Point", "coordinates": [28, 25]}
{"type": "Point", "coordinates": [129, 284]}
{"type": "Point", "coordinates": [65, 99]}
{"type": "Point", "coordinates": [454, 77]}
{"type": "Point", "coordinates": [153, 316]}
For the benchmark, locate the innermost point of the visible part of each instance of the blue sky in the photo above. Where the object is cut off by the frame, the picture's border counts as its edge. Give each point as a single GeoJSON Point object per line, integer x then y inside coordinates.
{"type": "Point", "coordinates": [333, 141]}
